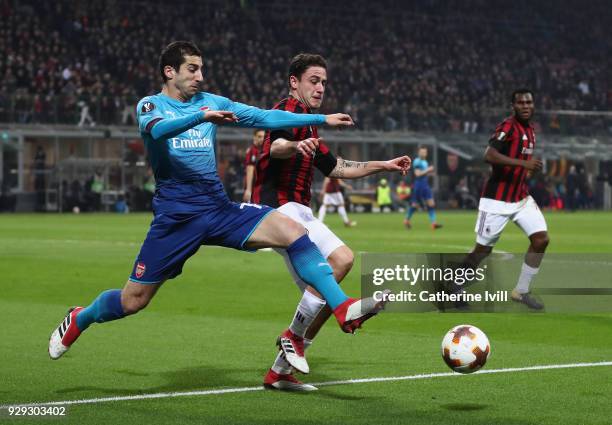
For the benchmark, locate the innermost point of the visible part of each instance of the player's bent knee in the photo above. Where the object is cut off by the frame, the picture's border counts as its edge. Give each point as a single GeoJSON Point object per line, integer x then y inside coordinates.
{"type": "Point", "coordinates": [540, 241]}
{"type": "Point", "coordinates": [347, 260]}
{"type": "Point", "coordinates": [341, 260]}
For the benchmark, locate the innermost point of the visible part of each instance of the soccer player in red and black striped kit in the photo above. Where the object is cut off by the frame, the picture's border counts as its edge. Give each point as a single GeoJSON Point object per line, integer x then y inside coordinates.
{"type": "Point", "coordinates": [250, 164]}
{"type": "Point", "coordinates": [284, 178]}
{"type": "Point", "coordinates": [506, 197]}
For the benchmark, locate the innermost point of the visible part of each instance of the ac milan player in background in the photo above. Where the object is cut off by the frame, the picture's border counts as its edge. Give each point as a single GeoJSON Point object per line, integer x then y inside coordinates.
{"type": "Point", "coordinates": [505, 195]}
{"type": "Point", "coordinates": [250, 163]}
{"type": "Point", "coordinates": [332, 196]}
{"type": "Point", "coordinates": [284, 177]}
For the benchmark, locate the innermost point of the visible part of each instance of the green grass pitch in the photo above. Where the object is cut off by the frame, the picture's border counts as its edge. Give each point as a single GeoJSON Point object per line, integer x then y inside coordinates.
{"type": "Point", "coordinates": [214, 328]}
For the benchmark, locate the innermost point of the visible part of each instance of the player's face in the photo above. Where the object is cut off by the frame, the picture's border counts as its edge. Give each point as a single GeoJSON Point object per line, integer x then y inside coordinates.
{"type": "Point", "coordinates": [189, 77]}
{"type": "Point", "coordinates": [258, 138]}
{"type": "Point", "coordinates": [523, 106]}
{"type": "Point", "coordinates": [423, 153]}
{"type": "Point", "coordinates": [310, 88]}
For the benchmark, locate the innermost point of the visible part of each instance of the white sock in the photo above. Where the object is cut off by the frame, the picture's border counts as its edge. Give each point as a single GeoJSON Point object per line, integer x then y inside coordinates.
{"type": "Point", "coordinates": [307, 343]}
{"type": "Point", "coordinates": [322, 212]}
{"type": "Point", "coordinates": [342, 212]}
{"type": "Point", "coordinates": [281, 365]}
{"type": "Point", "coordinates": [308, 308]}
{"type": "Point", "coordinates": [527, 274]}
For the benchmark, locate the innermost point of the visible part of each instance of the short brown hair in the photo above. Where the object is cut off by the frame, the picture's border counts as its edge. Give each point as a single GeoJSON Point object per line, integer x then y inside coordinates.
{"type": "Point", "coordinates": [300, 63]}
{"type": "Point", "coordinates": [174, 55]}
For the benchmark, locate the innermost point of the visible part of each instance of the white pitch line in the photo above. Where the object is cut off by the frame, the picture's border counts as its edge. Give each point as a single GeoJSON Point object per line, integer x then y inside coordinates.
{"type": "Point", "coordinates": [319, 384]}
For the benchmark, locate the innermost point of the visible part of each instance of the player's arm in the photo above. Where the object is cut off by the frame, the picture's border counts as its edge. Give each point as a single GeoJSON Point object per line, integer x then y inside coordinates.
{"type": "Point", "coordinates": [165, 128]}
{"type": "Point", "coordinates": [495, 157]}
{"type": "Point", "coordinates": [346, 169]}
{"type": "Point", "coordinates": [283, 148]}
{"type": "Point", "coordinates": [272, 119]}
{"type": "Point", "coordinates": [248, 190]}
{"type": "Point", "coordinates": [498, 143]}
{"type": "Point", "coordinates": [418, 172]}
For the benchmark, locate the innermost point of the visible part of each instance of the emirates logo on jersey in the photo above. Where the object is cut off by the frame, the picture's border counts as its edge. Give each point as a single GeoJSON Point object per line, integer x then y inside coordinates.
{"type": "Point", "coordinates": [204, 108]}
{"type": "Point", "coordinates": [140, 269]}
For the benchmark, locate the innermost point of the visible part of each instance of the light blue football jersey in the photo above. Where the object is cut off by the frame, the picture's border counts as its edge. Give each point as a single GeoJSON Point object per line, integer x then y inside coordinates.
{"type": "Point", "coordinates": [188, 152]}
{"type": "Point", "coordinates": [420, 164]}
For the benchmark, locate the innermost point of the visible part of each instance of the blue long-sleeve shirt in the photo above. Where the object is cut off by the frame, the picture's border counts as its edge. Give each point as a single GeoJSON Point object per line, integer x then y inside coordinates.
{"type": "Point", "coordinates": [181, 146]}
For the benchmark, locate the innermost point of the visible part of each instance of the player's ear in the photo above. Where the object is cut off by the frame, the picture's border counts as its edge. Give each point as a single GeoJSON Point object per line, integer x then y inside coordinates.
{"type": "Point", "coordinates": [169, 72]}
{"type": "Point", "coordinates": [293, 82]}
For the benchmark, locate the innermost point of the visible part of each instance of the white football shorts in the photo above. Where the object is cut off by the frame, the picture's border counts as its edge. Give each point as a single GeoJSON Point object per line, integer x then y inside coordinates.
{"type": "Point", "coordinates": [494, 215]}
{"type": "Point", "coordinates": [336, 199]}
{"type": "Point", "coordinates": [319, 234]}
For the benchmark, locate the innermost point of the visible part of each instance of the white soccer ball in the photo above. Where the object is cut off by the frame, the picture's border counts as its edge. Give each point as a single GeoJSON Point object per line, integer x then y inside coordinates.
{"type": "Point", "coordinates": [465, 348]}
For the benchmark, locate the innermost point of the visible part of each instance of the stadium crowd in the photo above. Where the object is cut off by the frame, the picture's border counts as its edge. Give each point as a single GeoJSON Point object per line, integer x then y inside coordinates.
{"type": "Point", "coordinates": [424, 66]}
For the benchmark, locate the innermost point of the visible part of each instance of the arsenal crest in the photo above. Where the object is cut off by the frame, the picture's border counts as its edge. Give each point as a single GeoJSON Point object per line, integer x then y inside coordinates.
{"type": "Point", "coordinates": [140, 269]}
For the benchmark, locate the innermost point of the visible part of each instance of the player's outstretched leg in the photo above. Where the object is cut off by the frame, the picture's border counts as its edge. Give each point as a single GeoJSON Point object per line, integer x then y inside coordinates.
{"type": "Point", "coordinates": [310, 315]}
{"type": "Point", "coordinates": [106, 307]}
{"type": "Point", "coordinates": [110, 305]}
{"type": "Point", "coordinates": [279, 231]}
{"type": "Point", "coordinates": [313, 269]}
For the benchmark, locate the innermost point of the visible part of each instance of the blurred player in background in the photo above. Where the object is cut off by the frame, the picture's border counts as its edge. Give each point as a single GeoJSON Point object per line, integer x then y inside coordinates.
{"type": "Point", "coordinates": [250, 163]}
{"type": "Point", "coordinates": [284, 178]}
{"type": "Point", "coordinates": [506, 197]}
{"type": "Point", "coordinates": [191, 208]}
{"type": "Point", "coordinates": [332, 197]}
{"type": "Point", "coordinates": [421, 192]}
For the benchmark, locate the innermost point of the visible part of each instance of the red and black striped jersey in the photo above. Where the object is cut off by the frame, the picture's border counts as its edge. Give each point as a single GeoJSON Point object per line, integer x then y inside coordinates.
{"type": "Point", "coordinates": [516, 140]}
{"type": "Point", "coordinates": [332, 186]}
{"type": "Point", "coordinates": [251, 158]}
{"type": "Point", "coordinates": [289, 180]}
{"type": "Point", "coordinates": [252, 155]}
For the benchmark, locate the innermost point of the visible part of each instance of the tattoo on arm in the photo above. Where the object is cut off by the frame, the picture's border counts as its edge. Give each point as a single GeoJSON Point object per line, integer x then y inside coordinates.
{"type": "Point", "coordinates": [342, 166]}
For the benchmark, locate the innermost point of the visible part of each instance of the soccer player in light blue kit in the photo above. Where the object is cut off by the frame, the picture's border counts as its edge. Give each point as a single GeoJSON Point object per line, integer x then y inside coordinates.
{"type": "Point", "coordinates": [421, 192]}
{"type": "Point", "coordinates": [191, 209]}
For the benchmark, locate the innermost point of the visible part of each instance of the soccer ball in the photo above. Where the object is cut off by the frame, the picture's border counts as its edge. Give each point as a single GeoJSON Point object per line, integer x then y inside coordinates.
{"type": "Point", "coordinates": [465, 348]}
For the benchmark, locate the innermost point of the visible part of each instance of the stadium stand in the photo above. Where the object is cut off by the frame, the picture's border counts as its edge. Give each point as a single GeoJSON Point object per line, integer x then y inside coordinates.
{"type": "Point", "coordinates": [426, 66]}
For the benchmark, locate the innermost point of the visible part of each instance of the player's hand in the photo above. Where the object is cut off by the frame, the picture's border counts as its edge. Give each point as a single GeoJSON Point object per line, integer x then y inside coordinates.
{"type": "Point", "coordinates": [246, 196]}
{"type": "Point", "coordinates": [308, 147]}
{"type": "Point", "coordinates": [339, 120]}
{"type": "Point", "coordinates": [220, 117]}
{"type": "Point", "coordinates": [533, 164]}
{"type": "Point", "coordinates": [401, 164]}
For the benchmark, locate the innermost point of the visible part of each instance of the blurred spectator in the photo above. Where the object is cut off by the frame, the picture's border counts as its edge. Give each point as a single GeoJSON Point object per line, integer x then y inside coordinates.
{"type": "Point", "coordinates": [40, 185]}
{"type": "Point", "coordinates": [435, 66]}
{"type": "Point", "coordinates": [402, 192]}
{"type": "Point", "coordinates": [383, 196]}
